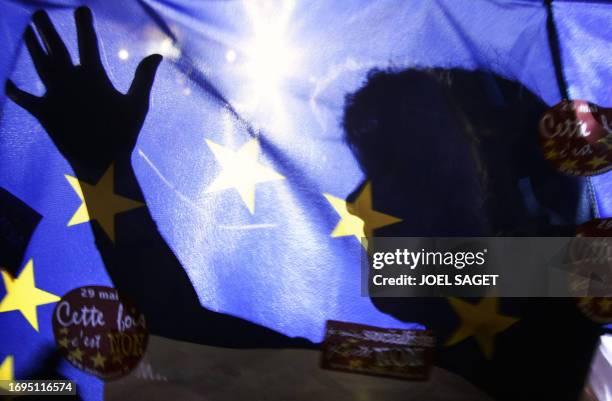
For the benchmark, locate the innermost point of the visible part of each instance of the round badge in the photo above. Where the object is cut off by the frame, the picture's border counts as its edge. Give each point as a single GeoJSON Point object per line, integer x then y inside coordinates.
{"type": "Point", "coordinates": [99, 331]}
{"type": "Point", "coordinates": [591, 277]}
{"type": "Point", "coordinates": [576, 137]}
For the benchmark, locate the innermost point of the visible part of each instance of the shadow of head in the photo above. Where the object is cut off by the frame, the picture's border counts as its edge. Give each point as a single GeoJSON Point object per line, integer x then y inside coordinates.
{"type": "Point", "coordinates": [455, 153]}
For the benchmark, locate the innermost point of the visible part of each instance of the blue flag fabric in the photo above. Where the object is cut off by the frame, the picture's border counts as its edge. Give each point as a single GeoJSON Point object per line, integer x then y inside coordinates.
{"type": "Point", "coordinates": [250, 83]}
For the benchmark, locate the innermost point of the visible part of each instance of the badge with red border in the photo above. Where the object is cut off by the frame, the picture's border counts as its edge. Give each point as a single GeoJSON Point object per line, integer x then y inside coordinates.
{"type": "Point", "coordinates": [576, 137]}
{"type": "Point", "coordinates": [100, 331]}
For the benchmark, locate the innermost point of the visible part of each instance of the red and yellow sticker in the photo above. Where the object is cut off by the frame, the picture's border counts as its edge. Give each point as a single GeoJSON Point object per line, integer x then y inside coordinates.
{"type": "Point", "coordinates": [576, 137]}
{"type": "Point", "coordinates": [99, 331]}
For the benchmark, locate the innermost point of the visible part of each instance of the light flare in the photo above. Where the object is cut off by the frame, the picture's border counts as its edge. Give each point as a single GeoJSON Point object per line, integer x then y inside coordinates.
{"type": "Point", "coordinates": [269, 61]}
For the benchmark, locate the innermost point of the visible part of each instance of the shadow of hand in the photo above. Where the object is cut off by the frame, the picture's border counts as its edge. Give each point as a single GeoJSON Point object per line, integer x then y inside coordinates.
{"type": "Point", "coordinates": [91, 123]}
{"type": "Point", "coordinates": [94, 125]}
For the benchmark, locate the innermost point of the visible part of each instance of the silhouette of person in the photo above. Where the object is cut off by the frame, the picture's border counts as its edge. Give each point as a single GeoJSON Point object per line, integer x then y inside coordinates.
{"type": "Point", "coordinates": [461, 147]}
{"type": "Point", "coordinates": [455, 153]}
{"type": "Point", "coordinates": [93, 126]}
{"type": "Point", "coordinates": [456, 148]}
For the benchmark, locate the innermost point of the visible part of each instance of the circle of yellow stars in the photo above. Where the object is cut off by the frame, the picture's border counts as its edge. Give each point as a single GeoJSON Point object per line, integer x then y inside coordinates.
{"type": "Point", "coordinates": [242, 172]}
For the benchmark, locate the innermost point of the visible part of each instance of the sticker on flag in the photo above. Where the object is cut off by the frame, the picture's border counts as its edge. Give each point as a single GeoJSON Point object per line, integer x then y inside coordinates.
{"type": "Point", "coordinates": [576, 137]}
{"type": "Point", "coordinates": [352, 347]}
{"type": "Point", "coordinates": [100, 331]}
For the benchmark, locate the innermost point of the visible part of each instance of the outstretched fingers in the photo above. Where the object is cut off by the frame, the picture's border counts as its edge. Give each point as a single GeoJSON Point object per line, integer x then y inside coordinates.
{"type": "Point", "coordinates": [24, 99]}
{"type": "Point", "coordinates": [143, 78]}
{"type": "Point", "coordinates": [38, 55]}
{"type": "Point", "coordinates": [89, 53]}
{"type": "Point", "coordinates": [56, 49]}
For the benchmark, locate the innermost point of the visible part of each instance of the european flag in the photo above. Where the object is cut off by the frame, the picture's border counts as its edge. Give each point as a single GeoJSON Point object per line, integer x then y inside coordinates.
{"type": "Point", "coordinates": [245, 229]}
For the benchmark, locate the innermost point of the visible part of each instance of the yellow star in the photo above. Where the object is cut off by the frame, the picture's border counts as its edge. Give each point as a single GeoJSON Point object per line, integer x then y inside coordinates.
{"type": "Point", "coordinates": [22, 294]}
{"type": "Point", "coordinates": [549, 142]}
{"type": "Point", "coordinates": [100, 203]}
{"type": "Point", "coordinates": [77, 354]}
{"type": "Point", "coordinates": [63, 342]}
{"type": "Point", "coordinates": [63, 331]}
{"type": "Point", "coordinates": [358, 218]}
{"type": "Point", "coordinates": [6, 369]}
{"type": "Point", "coordinates": [98, 360]}
{"type": "Point", "coordinates": [597, 161]}
{"type": "Point", "coordinates": [552, 154]}
{"type": "Point", "coordinates": [241, 170]}
{"type": "Point", "coordinates": [481, 321]}
{"type": "Point", "coordinates": [568, 165]}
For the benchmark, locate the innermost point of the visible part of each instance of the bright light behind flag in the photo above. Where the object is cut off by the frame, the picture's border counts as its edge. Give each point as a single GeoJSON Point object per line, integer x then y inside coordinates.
{"type": "Point", "coordinates": [285, 67]}
{"type": "Point", "coordinates": [266, 60]}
